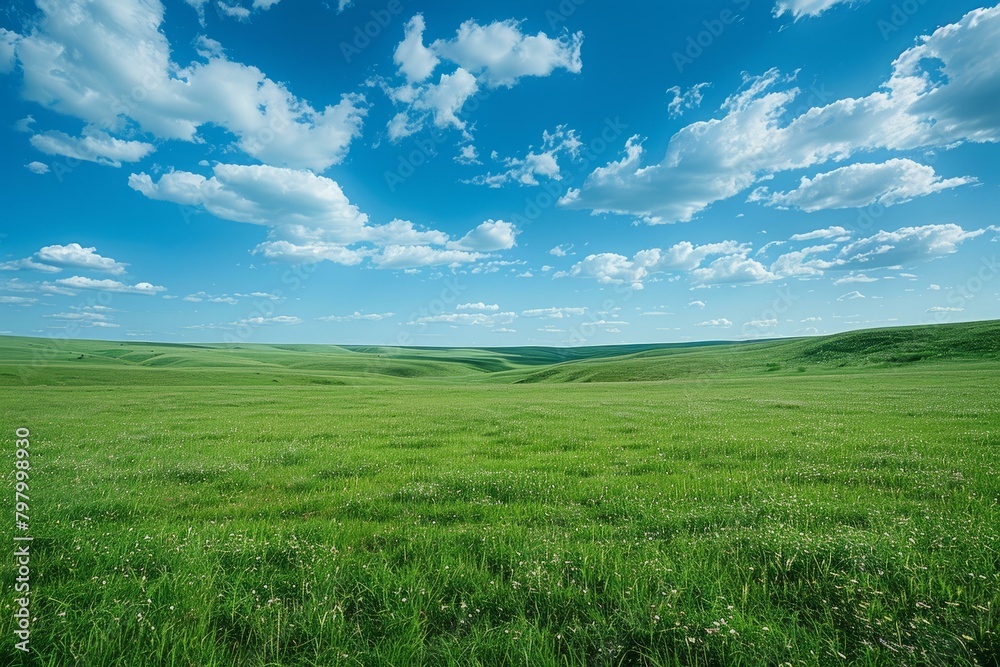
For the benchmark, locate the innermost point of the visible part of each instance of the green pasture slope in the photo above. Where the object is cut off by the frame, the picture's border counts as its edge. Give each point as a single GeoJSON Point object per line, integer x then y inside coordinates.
{"type": "Point", "coordinates": [817, 501]}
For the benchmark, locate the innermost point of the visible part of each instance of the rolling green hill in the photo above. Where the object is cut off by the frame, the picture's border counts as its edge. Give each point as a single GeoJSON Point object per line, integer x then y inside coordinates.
{"type": "Point", "coordinates": [47, 361]}
{"type": "Point", "coordinates": [815, 501]}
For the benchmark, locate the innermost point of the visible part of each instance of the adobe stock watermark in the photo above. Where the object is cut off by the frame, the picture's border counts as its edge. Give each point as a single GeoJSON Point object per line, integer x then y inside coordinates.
{"type": "Point", "coordinates": [552, 191]}
{"type": "Point", "coordinates": [566, 8]}
{"type": "Point", "coordinates": [43, 355]}
{"type": "Point", "coordinates": [22, 539]}
{"type": "Point", "coordinates": [770, 317]}
{"type": "Point", "coordinates": [960, 295]}
{"type": "Point", "coordinates": [263, 310]}
{"type": "Point", "coordinates": [425, 148]}
{"type": "Point", "coordinates": [445, 299]}
{"type": "Point", "coordinates": [700, 42]}
{"type": "Point", "coordinates": [900, 15]}
{"type": "Point", "coordinates": [365, 34]}
{"type": "Point", "coordinates": [596, 323]}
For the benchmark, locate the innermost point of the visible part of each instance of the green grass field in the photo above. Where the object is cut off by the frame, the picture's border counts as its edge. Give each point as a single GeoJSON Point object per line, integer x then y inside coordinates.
{"type": "Point", "coordinates": [805, 502]}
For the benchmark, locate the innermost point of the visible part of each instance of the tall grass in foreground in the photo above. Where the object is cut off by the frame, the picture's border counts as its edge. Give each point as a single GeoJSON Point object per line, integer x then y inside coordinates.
{"type": "Point", "coordinates": [797, 520]}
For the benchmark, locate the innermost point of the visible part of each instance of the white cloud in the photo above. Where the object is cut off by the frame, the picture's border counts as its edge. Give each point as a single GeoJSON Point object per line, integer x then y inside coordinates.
{"type": "Point", "coordinates": [404, 257]}
{"type": "Point", "coordinates": [93, 59]}
{"type": "Point", "coordinates": [74, 255]}
{"type": "Point", "coordinates": [808, 8]}
{"type": "Point", "coordinates": [937, 96]}
{"type": "Point", "coordinates": [37, 167]}
{"type": "Point", "coordinates": [488, 236]}
{"type": "Point", "coordinates": [8, 50]}
{"type": "Point", "coordinates": [357, 316]}
{"type": "Point", "coordinates": [468, 155]}
{"type": "Point", "coordinates": [542, 164]}
{"type": "Point", "coordinates": [733, 269]}
{"type": "Point", "coordinates": [722, 323]}
{"type": "Point", "coordinates": [440, 102]}
{"type": "Point", "coordinates": [838, 233]}
{"type": "Point", "coordinates": [311, 219]}
{"type": "Point", "coordinates": [261, 195]}
{"type": "Point", "coordinates": [554, 313]}
{"type": "Point", "coordinates": [487, 307]}
{"type": "Point", "coordinates": [239, 11]}
{"type": "Point", "coordinates": [18, 300]}
{"type": "Point", "coordinates": [490, 56]}
{"type": "Point", "coordinates": [893, 182]}
{"type": "Point", "coordinates": [685, 100]}
{"type": "Point", "coordinates": [28, 264]}
{"type": "Point", "coordinates": [851, 296]}
{"type": "Point", "coordinates": [561, 250]}
{"type": "Point", "coordinates": [309, 253]}
{"type": "Point", "coordinates": [611, 268]}
{"type": "Point", "coordinates": [697, 304]}
{"type": "Point", "coordinates": [904, 246]}
{"type": "Point", "coordinates": [93, 146]}
{"type": "Point", "coordinates": [107, 285]}
{"type": "Point", "coordinates": [855, 278]}
{"type": "Point", "coordinates": [803, 263]}
{"type": "Point", "coordinates": [500, 54]}
{"type": "Point", "coordinates": [286, 320]}
{"type": "Point", "coordinates": [941, 309]}
{"type": "Point", "coordinates": [468, 319]}
{"type": "Point", "coordinates": [54, 258]}
{"type": "Point", "coordinates": [415, 61]}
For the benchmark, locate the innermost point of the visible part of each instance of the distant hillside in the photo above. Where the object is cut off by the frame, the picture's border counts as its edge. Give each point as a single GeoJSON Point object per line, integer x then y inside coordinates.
{"type": "Point", "coordinates": [856, 350]}
{"type": "Point", "coordinates": [44, 361]}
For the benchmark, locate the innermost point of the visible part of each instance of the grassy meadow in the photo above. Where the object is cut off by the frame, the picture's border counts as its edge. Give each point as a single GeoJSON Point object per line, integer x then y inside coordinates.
{"type": "Point", "coordinates": [805, 502]}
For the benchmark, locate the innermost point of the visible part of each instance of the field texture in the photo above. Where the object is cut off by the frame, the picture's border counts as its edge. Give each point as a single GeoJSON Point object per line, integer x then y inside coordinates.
{"type": "Point", "coordinates": [816, 502]}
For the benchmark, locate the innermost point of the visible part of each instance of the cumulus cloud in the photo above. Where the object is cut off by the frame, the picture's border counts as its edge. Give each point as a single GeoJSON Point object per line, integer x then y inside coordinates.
{"type": "Point", "coordinates": [554, 313]}
{"type": "Point", "coordinates": [836, 233]}
{"type": "Point", "coordinates": [721, 323]}
{"type": "Point", "coordinates": [904, 246]}
{"type": "Point", "coordinates": [310, 219]}
{"type": "Point", "coordinates": [611, 268]}
{"type": "Point", "coordinates": [939, 95]}
{"type": "Point", "coordinates": [685, 100]}
{"type": "Point", "coordinates": [808, 8]}
{"type": "Point", "coordinates": [730, 262]}
{"type": "Point", "coordinates": [93, 146]}
{"type": "Point", "coordinates": [54, 258]}
{"type": "Point", "coordinates": [468, 319]}
{"type": "Point", "coordinates": [413, 256]}
{"type": "Point", "coordinates": [544, 163]}
{"type": "Point", "coordinates": [490, 56]}
{"type": "Point", "coordinates": [487, 237]}
{"type": "Point", "coordinates": [8, 50]}
{"type": "Point", "coordinates": [357, 317]}
{"type": "Point", "coordinates": [415, 61]}
{"type": "Point", "coordinates": [561, 250]}
{"type": "Point", "coordinates": [261, 195]}
{"type": "Point", "coordinates": [285, 320]}
{"type": "Point", "coordinates": [87, 59]}
{"type": "Point", "coordinates": [893, 182]}
{"type": "Point", "coordinates": [491, 307]}
{"type": "Point", "coordinates": [108, 285]}
{"type": "Point", "coordinates": [37, 167]}
{"type": "Point", "coordinates": [851, 296]}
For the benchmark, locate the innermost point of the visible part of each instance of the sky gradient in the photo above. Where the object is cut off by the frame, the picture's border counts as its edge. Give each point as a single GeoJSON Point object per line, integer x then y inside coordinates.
{"type": "Point", "coordinates": [519, 173]}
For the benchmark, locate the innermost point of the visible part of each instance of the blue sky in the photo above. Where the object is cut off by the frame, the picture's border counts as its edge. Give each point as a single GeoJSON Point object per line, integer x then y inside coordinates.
{"type": "Point", "coordinates": [546, 173]}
